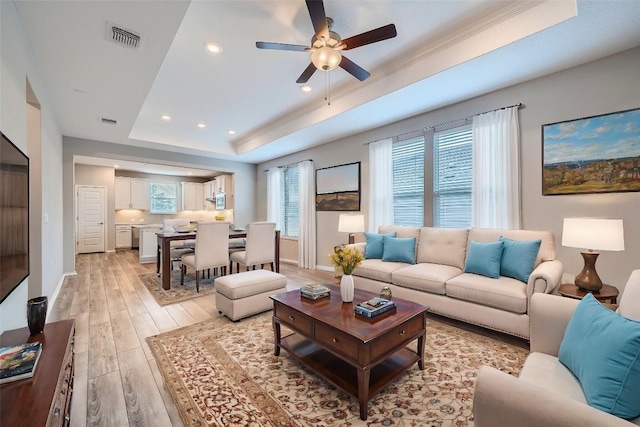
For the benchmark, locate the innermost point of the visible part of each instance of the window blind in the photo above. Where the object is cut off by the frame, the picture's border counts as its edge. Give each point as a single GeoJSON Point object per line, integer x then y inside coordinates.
{"type": "Point", "coordinates": [452, 177]}
{"type": "Point", "coordinates": [408, 182]}
{"type": "Point", "coordinates": [291, 202]}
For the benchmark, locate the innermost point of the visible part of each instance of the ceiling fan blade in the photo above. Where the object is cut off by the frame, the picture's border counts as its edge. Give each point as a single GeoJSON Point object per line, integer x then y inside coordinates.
{"type": "Point", "coordinates": [318, 17]}
{"type": "Point", "coordinates": [373, 36]}
{"type": "Point", "coordinates": [354, 69]}
{"type": "Point", "coordinates": [306, 74]}
{"type": "Point", "coordinates": [281, 46]}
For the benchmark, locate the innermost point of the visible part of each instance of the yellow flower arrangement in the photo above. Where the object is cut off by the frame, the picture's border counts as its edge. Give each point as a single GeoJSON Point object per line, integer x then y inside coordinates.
{"type": "Point", "coordinates": [347, 259]}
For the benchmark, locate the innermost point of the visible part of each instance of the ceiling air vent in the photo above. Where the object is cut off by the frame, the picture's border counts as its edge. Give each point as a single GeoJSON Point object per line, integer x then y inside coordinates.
{"type": "Point", "coordinates": [123, 37]}
{"type": "Point", "coordinates": [108, 121]}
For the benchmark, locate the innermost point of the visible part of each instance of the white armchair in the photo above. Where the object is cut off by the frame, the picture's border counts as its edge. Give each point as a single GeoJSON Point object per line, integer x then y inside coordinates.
{"type": "Point", "coordinates": [546, 392]}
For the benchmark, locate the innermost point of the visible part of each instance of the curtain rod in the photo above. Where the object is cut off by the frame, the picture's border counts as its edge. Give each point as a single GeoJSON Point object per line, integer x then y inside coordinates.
{"type": "Point", "coordinates": [433, 127]}
{"type": "Point", "coordinates": [290, 164]}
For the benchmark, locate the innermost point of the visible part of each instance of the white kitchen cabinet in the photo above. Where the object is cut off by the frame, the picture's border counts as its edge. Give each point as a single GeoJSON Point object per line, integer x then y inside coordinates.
{"type": "Point", "coordinates": [192, 196]}
{"type": "Point", "coordinates": [131, 193]}
{"type": "Point", "coordinates": [208, 193]}
{"type": "Point", "coordinates": [219, 182]}
{"type": "Point", "coordinates": [123, 236]}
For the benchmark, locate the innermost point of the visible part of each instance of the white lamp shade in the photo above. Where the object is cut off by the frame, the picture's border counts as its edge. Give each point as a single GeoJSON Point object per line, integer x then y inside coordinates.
{"type": "Point", "coordinates": [593, 233]}
{"type": "Point", "coordinates": [351, 223]}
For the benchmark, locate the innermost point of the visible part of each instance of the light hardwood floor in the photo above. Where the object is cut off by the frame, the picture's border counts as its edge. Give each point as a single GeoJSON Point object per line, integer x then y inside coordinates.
{"type": "Point", "coordinates": [117, 381]}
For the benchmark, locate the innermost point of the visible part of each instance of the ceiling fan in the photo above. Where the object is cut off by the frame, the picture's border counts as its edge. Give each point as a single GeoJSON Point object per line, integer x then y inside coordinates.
{"type": "Point", "coordinates": [327, 46]}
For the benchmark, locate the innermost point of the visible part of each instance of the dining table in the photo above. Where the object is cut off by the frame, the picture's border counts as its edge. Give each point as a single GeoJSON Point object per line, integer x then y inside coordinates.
{"type": "Point", "coordinates": [164, 250]}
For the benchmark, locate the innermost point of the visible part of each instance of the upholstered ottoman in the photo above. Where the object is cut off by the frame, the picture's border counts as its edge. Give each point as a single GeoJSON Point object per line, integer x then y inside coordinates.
{"type": "Point", "coordinates": [243, 294]}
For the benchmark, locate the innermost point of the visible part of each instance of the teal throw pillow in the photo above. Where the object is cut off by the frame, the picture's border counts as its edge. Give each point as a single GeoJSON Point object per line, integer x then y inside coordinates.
{"type": "Point", "coordinates": [399, 250]}
{"type": "Point", "coordinates": [484, 259]}
{"type": "Point", "coordinates": [375, 245]}
{"type": "Point", "coordinates": [602, 349]}
{"type": "Point", "coordinates": [519, 258]}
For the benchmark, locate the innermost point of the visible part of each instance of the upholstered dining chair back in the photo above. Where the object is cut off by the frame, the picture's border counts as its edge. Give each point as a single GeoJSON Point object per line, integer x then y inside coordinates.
{"type": "Point", "coordinates": [260, 246]}
{"type": "Point", "coordinates": [212, 245]}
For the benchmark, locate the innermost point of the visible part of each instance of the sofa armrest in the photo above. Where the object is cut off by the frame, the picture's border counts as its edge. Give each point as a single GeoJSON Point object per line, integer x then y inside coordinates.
{"type": "Point", "coordinates": [550, 315]}
{"type": "Point", "coordinates": [545, 277]}
{"type": "Point", "coordinates": [501, 400]}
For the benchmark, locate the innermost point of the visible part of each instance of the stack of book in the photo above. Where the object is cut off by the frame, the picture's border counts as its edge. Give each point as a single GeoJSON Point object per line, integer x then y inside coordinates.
{"type": "Point", "coordinates": [314, 291]}
{"type": "Point", "coordinates": [374, 307]}
{"type": "Point", "coordinates": [19, 362]}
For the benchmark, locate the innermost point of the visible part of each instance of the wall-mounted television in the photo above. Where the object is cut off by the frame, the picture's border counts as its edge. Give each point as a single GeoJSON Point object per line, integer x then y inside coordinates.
{"type": "Point", "coordinates": [14, 217]}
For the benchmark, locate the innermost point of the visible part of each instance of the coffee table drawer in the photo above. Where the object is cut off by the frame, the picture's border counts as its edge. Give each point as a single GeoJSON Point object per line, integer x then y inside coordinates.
{"type": "Point", "coordinates": [396, 336]}
{"type": "Point", "coordinates": [336, 340]}
{"type": "Point", "coordinates": [295, 319]}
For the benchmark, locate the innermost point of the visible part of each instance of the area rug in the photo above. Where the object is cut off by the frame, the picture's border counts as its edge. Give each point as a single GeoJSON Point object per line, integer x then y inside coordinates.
{"type": "Point", "coordinates": [177, 293]}
{"type": "Point", "coordinates": [222, 373]}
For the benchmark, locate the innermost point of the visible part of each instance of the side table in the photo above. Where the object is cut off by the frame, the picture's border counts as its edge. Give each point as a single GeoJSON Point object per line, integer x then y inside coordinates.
{"type": "Point", "coordinates": [608, 293]}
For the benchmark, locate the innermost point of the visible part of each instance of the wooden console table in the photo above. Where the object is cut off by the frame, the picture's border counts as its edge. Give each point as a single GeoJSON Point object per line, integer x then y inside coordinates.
{"type": "Point", "coordinates": [45, 399]}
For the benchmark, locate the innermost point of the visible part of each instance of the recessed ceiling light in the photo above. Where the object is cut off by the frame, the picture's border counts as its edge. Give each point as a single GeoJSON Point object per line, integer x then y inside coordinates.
{"type": "Point", "coordinates": [214, 48]}
{"type": "Point", "coordinates": [231, 132]}
{"type": "Point", "coordinates": [201, 125]}
{"type": "Point", "coordinates": [165, 117]}
{"type": "Point", "coordinates": [305, 88]}
{"type": "Point", "coordinates": [116, 166]}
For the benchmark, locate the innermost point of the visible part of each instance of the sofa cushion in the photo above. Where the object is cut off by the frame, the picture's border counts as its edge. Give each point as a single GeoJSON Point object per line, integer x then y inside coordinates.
{"type": "Point", "coordinates": [376, 269]}
{"type": "Point", "coordinates": [484, 259]}
{"type": "Point", "coordinates": [400, 230]}
{"type": "Point", "coordinates": [519, 258]}
{"type": "Point", "coordinates": [547, 247]}
{"type": "Point", "coordinates": [375, 245]}
{"type": "Point", "coordinates": [629, 306]}
{"type": "Point", "coordinates": [547, 372]}
{"type": "Point", "coordinates": [447, 246]}
{"type": "Point", "coordinates": [399, 250]}
{"type": "Point", "coordinates": [425, 277]}
{"type": "Point", "coordinates": [602, 349]}
{"type": "Point", "coordinates": [504, 293]}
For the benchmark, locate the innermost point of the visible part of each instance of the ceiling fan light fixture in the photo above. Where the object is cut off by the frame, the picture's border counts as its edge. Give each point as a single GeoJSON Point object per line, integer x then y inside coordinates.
{"type": "Point", "coordinates": [326, 58]}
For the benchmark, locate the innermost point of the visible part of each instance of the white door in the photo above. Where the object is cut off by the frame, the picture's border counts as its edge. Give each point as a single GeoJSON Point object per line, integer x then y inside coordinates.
{"type": "Point", "coordinates": [91, 217]}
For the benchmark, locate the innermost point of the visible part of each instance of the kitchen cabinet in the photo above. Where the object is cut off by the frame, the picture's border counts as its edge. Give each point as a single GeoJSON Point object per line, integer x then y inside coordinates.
{"type": "Point", "coordinates": [219, 182]}
{"type": "Point", "coordinates": [192, 196]}
{"type": "Point", "coordinates": [123, 236]}
{"type": "Point", "coordinates": [208, 193]}
{"type": "Point", "coordinates": [131, 193]}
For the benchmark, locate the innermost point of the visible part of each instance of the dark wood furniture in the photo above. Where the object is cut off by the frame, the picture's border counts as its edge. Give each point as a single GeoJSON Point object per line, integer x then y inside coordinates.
{"type": "Point", "coordinates": [164, 249]}
{"type": "Point", "coordinates": [359, 355]}
{"type": "Point", "coordinates": [606, 294]}
{"type": "Point", "coordinates": [45, 399]}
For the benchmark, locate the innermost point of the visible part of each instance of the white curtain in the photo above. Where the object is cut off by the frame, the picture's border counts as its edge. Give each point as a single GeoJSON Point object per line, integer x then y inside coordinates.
{"type": "Point", "coordinates": [380, 184]}
{"type": "Point", "coordinates": [274, 197]}
{"type": "Point", "coordinates": [496, 170]}
{"type": "Point", "coordinates": [307, 204]}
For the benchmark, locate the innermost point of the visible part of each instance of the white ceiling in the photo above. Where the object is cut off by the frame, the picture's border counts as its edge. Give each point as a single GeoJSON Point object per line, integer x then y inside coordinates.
{"type": "Point", "coordinates": [445, 52]}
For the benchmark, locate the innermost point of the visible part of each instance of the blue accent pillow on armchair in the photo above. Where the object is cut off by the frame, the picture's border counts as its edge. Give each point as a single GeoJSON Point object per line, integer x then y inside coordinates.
{"type": "Point", "coordinates": [602, 349]}
{"type": "Point", "coordinates": [484, 259]}
{"type": "Point", "coordinates": [375, 245]}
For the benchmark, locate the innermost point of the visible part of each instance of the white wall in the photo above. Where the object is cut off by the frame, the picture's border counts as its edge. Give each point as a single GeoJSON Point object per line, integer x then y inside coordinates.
{"type": "Point", "coordinates": [17, 66]}
{"type": "Point", "coordinates": [603, 86]}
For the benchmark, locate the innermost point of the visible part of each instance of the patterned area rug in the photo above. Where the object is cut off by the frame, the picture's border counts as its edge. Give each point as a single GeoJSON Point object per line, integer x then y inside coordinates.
{"type": "Point", "coordinates": [222, 373]}
{"type": "Point", "coordinates": [177, 293]}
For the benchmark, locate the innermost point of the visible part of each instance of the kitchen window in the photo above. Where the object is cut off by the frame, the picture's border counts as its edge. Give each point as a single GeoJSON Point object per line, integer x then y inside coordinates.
{"type": "Point", "coordinates": [163, 198]}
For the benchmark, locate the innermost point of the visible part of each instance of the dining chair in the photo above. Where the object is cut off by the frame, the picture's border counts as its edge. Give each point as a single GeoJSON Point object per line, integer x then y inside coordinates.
{"type": "Point", "coordinates": [211, 250]}
{"type": "Point", "coordinates": [260, 247]}
{"type": "Point", "coordinates": [178, 247]}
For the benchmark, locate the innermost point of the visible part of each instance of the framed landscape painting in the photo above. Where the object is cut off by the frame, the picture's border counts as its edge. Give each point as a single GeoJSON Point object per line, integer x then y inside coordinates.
{"type": "Point", "coordinates": [338, 188]}
{"type": "Point", "coordinates": [599, 154]}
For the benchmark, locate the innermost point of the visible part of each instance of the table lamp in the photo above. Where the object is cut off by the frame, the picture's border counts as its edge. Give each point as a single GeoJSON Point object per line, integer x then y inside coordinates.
{"type": "Point", "coordinates": [351, 223]}
{"type": "Point", "coordinates": [593, 234]}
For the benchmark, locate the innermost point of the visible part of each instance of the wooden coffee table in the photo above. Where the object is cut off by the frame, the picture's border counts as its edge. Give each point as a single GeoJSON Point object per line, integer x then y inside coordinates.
{"type": "Point", "coordinates": [357, 354]}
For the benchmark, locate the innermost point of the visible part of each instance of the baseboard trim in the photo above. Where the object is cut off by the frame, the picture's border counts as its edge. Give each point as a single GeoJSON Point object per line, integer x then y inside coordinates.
{"type": "Point", "coordinates": [324, 268]}
{"type": "Point", "coordinates": [54, 296]}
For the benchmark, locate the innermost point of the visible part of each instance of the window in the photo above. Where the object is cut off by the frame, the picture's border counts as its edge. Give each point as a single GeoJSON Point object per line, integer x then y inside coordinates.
{"type": "Point", "coordinates": [162, 198]}
{"type": "Point", "coordinates": [408, 182]}
{"type": "Point", "coordinates": [452, 158]}
{"type": "Point", "coordinates": [291, 204]}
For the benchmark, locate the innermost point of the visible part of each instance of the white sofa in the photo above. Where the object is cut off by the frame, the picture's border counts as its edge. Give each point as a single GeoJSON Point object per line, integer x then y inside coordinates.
{"type": "Point", "coordinates": [546, 393]}
{"type": "Point", "coordinates": [438, 281]}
